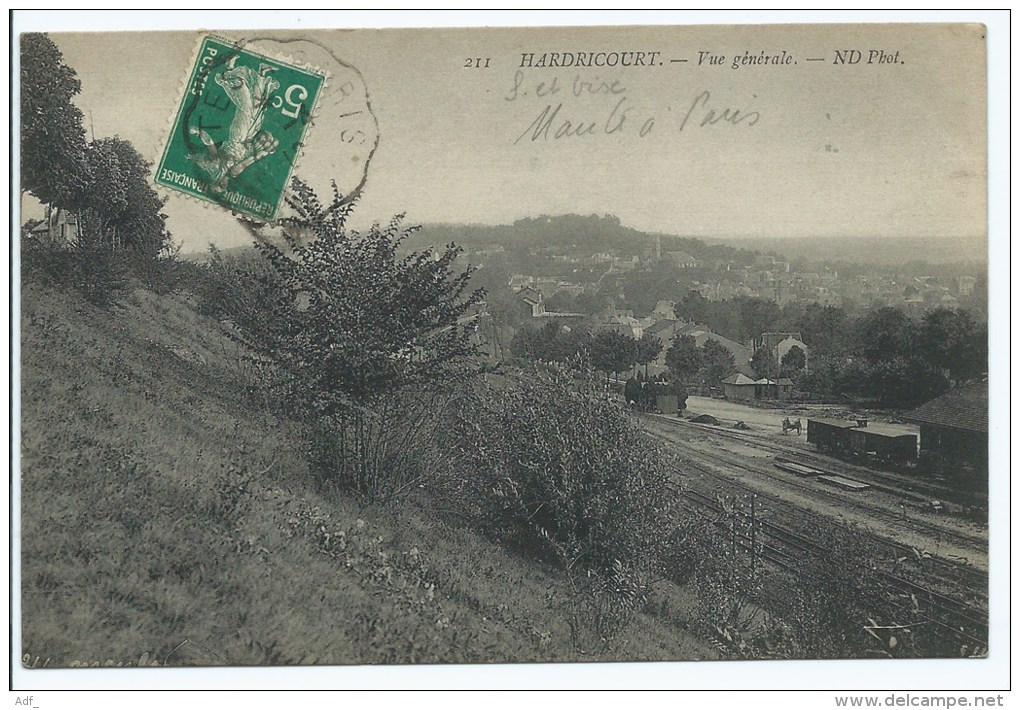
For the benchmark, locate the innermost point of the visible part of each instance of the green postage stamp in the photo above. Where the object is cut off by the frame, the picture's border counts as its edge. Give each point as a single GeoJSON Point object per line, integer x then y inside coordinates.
{"type": "Point", "coordinates": [239, 128]}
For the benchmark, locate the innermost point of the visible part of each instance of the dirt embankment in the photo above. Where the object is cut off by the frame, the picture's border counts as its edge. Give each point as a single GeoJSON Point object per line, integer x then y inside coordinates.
{"type": "Point", "coordinates": [166, 519]}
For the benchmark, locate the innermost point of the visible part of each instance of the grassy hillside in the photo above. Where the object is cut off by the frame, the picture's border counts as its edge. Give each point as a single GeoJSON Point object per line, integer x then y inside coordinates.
{"type": "Point", "coordinates": [168, 520]}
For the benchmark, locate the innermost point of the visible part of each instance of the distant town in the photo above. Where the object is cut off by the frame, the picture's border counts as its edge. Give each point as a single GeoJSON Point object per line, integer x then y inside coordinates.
{"type": "Point", "coordinates": [591, 274]}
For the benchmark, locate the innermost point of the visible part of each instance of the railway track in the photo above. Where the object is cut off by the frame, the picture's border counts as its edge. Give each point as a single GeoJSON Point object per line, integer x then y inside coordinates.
{"type": "Point", "coordinates": [961, 579]}
{"type": "Point", "coordinates": [898, 484]}
{"type": "Point", "coordinates": [813, 490]}
{"type": "Point", "coordinates": [833, 496]}
{"type": "Point", "coordinates": [809, 519]}
{"type": "Point", "coordinates": [788, 550]}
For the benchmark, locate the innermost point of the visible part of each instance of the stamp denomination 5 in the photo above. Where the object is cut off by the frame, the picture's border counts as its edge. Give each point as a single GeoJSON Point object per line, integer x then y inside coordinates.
{"type": "Point", "coordinates": [239, 128]}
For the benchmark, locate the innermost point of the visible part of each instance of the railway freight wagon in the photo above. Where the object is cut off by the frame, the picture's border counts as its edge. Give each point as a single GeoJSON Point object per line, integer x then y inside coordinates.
{"type": "Point", "coordinates": [829, 435]}
{"type": "Point", "coordinates": [858, 439]}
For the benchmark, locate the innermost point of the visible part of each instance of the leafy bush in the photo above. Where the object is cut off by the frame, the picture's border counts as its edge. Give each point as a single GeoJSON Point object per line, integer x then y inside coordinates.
{"type": "Point", "coordinates": [845, 608]}
{"type": "Point", "coordinates": [383, 451]}
{"type": "Point", "coordinates": [556, 469]}
{"type": "Point", "coordinates": [162, 275]}
{"type": "Point", "coordinates": [835, 604]}
{"type": "Point", "coordinates": [609, 602]}
{"type": "Point", "coordinates": [844, 592]}
{"type": "Point", "coordinates": [100, 274]}
{"type": "Point", "coordinates": [354, 331]}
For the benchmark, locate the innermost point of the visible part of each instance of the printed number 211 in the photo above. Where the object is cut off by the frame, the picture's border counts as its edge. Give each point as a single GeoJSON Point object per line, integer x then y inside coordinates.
{"type": "Point", "coordinates": [477, 63]}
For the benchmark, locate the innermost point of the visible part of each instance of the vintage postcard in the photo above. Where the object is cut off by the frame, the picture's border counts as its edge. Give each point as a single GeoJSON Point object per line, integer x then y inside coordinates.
{"type": "Point", "coordinates": [504, 345]}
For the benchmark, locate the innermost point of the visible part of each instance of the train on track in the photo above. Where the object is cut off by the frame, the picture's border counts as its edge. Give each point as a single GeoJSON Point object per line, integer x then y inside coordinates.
{"type": "Point", "coordinates": [860, 439]}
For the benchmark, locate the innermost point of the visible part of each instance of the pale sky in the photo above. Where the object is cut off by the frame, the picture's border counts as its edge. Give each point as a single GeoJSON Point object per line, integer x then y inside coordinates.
{"type": "Point", "coordinates": [893, 149]}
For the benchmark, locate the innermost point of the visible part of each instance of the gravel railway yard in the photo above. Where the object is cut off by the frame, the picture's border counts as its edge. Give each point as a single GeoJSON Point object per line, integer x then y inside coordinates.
{"type": "Point", "coordinates": [938, 556]}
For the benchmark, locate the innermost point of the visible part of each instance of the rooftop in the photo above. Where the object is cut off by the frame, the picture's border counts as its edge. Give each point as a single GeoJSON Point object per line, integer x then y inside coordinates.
{"type": "Point", "coordinates": [963, 408]}
{"type": "Point", "coordinates": [660, 326]}
{"type": "Point", "coordinates": [873, 428]}
{"type": "Point", "coordinates": [842, 423]}
{"type": "Point", "coordinates": [738, 379]}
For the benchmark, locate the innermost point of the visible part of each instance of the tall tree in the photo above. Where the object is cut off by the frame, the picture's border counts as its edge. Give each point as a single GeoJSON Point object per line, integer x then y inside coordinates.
{"type": "Point", "coordinates": [885, 333]}
{"type": "Point", "coordinates": [825, 327]}
{"type": "Point", "coordinates": [648, 348]}
{"type": "Point", "coordinates": [757, 316]}
{"type": "Point", "coordinates": [951, 340]}
{"type": "Point", "coordinates": [120, 208]}
{"type": "Point", "coordinates": [576, 343]}
{"type": "Point", "coordinates": [793, 362]}
{"type": "Point", "coordinates": [694, 307]}
{"type": "Point", "coordinates": [904, 382]}
{"type": "Point", "coordinates": [717, 362]}
{"type": "Point", "coordinates": [683, 358]}
{"type": "Point", "coordinates": [764, 363]}
{"type": "Point", "coordinates": [612, 352]}
{"type": "Point", "coordinates": [52, 136]}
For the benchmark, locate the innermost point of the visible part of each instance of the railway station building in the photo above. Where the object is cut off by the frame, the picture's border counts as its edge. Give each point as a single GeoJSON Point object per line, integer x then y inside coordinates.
{"type": "Point", "coordinates": [954, 433]}
{"type": "Point", "coordinates": [741, 388]}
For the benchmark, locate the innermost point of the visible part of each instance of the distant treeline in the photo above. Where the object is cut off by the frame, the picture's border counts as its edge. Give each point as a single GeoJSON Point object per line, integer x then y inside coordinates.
{"type": "Point", "coordinates": [875, 251]}
{"type": "Point", "coordinates": [882, 354]}
{"type": "Point", "coordinates": [564, 233]}
{"type": "Point", "coordinates": [595, 233]}
{"type": "Point", "coordinates": [898, 361]}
